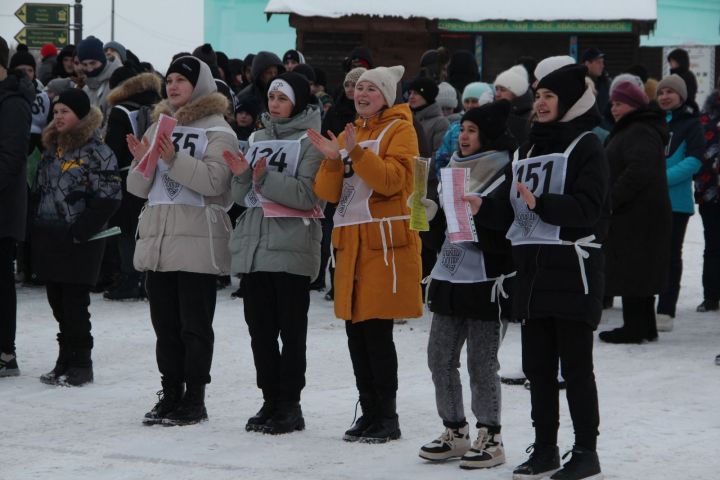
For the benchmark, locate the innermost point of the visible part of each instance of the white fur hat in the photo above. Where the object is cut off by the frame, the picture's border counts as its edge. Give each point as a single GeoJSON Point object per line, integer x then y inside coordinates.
{"type": "Point", "coordinates": [550, 64]}
{"type": "Point", "coordinates": [514, 79]}
{"type": "Point", "coordinates": [385, 79]}
{"type": "Point", "coordinates": [447, 96]}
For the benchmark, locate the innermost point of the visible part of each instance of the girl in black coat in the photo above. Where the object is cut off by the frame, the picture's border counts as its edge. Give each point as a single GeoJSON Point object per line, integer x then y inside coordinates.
{"type": "Point", "coordinates": [557, 199]}
{"type": "Point", "coordinates": [637, 249]}
{"type": "Point", "coordinates": [467, 290]}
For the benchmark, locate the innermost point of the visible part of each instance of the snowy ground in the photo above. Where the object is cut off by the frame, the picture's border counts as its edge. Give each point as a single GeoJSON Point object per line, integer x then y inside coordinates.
{"type": "Point", "coordinates": [658, 403]}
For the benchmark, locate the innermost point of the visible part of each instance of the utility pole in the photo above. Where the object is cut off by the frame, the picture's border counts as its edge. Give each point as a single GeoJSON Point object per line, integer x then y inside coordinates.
{"type": "Point", "coordinates": [77, 21]}
{"type": "Point", "coordinates": [112, 20]}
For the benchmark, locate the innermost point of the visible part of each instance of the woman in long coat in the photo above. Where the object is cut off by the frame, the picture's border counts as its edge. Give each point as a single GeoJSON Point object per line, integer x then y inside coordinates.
{"type": "Point", "coordinates": [637, 248]}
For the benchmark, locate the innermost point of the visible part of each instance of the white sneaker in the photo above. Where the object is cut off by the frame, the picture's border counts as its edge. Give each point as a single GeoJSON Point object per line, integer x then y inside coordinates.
{"type": "Point", "coordinates": [664, 322]}
{"type": "Point", "coordinates": [486, 451]}
{"type": "Point", "coordinates": [452, 443]}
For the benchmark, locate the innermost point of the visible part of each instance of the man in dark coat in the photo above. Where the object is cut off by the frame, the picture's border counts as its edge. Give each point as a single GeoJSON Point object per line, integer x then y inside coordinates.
{"type": "Point", "coordinates": [637, 248]}
{"type": "Point", "coordinates": [265, 67]}
{"type": "Point", "coordinates": [679, 61]}
{"type": "Point", "coordinates": [16, 96]}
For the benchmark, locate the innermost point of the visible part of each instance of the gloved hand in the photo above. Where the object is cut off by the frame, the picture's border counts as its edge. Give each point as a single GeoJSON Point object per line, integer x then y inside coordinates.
{"type": "Point", "coordinates": [431, 207]}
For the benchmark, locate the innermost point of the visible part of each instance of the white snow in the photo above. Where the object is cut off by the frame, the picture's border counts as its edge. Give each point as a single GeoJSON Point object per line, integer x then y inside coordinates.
{"type": "Point", "coordinates": [659, 403]}
{"type": "Point", "coordinates": [473, 10]}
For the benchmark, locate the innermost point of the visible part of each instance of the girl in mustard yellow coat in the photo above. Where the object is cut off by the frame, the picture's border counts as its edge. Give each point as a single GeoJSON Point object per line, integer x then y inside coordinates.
{"type": "Point", "coordinates": [368, 172]}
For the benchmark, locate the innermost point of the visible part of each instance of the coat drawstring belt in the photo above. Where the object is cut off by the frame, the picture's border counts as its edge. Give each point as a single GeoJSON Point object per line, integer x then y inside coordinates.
{"type": "Point", "coordinates": [497, 292]}
{"type": "Point", "coordinates": [387, 220]}
{"type": "Point", "coordinates": [583, 254]}
{"type": "Point", "coordinates": [426, 281]}
{"type": "Point", "coordinates": [211, 217]}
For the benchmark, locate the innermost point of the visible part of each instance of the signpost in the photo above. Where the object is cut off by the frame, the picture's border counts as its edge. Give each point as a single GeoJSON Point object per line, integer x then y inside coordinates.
{"type": "Point", "coordinates": [44, 23]}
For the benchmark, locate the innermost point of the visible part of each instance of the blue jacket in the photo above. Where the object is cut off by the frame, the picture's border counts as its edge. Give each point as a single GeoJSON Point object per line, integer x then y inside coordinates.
{"type": "Point", "coordinates": [448, 146]}
{"type": "Point", "coordinates": [682, 157]}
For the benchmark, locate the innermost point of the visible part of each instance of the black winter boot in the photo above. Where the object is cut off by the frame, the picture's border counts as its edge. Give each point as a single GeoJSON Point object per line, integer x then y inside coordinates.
{"type": "Point", "coordinates": [168, 400]}
{"type": "Point", "coordinates": [583, 465]}
{"type": "Point", "coordinates": [368, 405]}
{"type": "Point", "coordinates": [191, 409]}
{"type": "Point", "coordinates": [79, 371]}
{"type": "Point", "coordinates": [385, 426]}
{"type": "Point", "coordinates": [544, 460]}
{"type": "Point", "coordinates": [129, 288]}
{"type": "Point", "coordinates": [286, 418]}
{"type": "Point", "coordinates": [61, 364]}
{"type": "Point", "coordinates": [257, 422]}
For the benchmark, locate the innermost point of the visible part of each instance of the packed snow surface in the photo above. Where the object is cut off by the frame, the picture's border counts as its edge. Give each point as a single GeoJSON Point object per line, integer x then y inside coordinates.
{"type": "Point", "coordinates": [658, 403]}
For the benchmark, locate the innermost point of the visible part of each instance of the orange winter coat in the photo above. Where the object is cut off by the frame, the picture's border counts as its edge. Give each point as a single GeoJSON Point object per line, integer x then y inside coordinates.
{"type": "Point", "coordinates": [363, 281]}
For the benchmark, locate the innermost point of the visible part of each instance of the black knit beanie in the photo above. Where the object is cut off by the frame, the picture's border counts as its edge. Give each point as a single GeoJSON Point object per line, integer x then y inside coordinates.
{"type": "Point", "coordinates": [22, 58]}
{"type": "Point", "coordinates": [188, 67]}
{"type": "Point", "coordinates": [206, 53]}
{"type": "Point", "coordinates": [426, 87]}
{"type": "Point", "coordinates": [76, 100]}
{"type": "Point", "coordinates": [120, 75]}
{"type": "Point", "coordinates": [291, 55]}
{"type": "Point", "coordinates": [491, 120]}
{"type": "Point", "coordinates": [91, 48]}
{"type": "Point", "coordinates": [301, 89]}
{"type": "Point", "coordinates": [568, 83]}
{"type": "Point", "coordinates": [306, 71]}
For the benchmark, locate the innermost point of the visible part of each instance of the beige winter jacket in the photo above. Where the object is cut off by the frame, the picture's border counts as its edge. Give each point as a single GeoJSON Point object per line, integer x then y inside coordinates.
{"type": "Point", "coordinates": [181, 237]}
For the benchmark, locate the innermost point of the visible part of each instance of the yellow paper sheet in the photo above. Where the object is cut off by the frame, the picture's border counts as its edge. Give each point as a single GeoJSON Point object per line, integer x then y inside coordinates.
{"type": "Point", "coordinates": [418, 217]}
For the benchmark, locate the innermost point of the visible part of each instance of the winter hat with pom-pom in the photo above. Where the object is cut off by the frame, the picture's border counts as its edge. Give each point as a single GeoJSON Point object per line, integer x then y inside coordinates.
{"type": "Point", "coordinates": [480, 90]}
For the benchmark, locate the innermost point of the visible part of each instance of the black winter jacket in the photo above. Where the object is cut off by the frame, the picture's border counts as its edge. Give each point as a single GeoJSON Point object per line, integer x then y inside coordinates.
{"type": "Point", "coordinates": [549, 282]}
{"type": "Point", "coordinates": [132, 94]}
{"type": "Point", "coordinates": [16, 96]}
{"type": "Point", "coordinates": [472, 300]}
{"type": "Point", "coordinates": [637, 249]}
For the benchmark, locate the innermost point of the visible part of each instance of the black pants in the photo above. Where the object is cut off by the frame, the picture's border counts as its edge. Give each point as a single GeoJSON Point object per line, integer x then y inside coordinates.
{"type": "Point", "coordinates": [710, 213]}
{"type": "Point", "coordinates": [639, 317]}
{"type": "Point", "coordinates": [325, 246]}
{"type": "Point", "coordinates": [8, 296]}
{"type": "Point", "coordinates": [276, 304]}
{"type": "Point", "coordinates": [544, 341]}
{"type": "Point", "coordinates": [669, 297]}
{"type": "Point", "coordinates": [182, 306]}
{"type": "Point", "coordinates": [373, 355]}
{"type": "Point", "coordinates": [69, 304]}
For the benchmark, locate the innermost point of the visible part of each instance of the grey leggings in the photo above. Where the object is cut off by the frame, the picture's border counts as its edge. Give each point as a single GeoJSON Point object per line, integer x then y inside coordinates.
{"type": "Point", "coordinates": [447, 336]}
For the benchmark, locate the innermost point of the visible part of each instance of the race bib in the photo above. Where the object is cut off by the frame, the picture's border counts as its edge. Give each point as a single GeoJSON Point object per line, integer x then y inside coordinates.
{"type": "Point", "coordinates": [543, 174]}
{"type": "Point", "coordinates": [40, 108]}
{"type": "Point", "coordinates": [282, 157]}
{"type": "Point", "coordinates": [165, 190]}
{"type": "Point", "coordinates": [459, 263]}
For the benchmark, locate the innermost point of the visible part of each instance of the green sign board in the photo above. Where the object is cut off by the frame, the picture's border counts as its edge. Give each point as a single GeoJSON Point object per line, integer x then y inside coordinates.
{"type": "Point", "coordinates": [44, 14]}
{"type": "Point", "coordinates": [37, 37]}
{"type": "Point", "coordinates": [559, 26]}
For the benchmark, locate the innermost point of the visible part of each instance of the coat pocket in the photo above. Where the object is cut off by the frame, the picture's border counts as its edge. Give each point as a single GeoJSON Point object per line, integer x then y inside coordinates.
{"type": "Point", "coordinates": [398, 236]}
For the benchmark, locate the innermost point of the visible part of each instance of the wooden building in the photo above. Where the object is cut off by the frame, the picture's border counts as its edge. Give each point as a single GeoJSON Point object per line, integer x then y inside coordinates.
{"type": "Point", "coordinates": [399, 31]}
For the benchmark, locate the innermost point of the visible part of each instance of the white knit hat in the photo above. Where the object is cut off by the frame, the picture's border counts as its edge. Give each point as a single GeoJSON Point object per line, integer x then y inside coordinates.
{"type": "Point", "coordinates": [626, 77]}
{"type": "Point", "coordinates": [447, 96]}
{"type": "Point", "coordinates": [550, 64]}
{"type": "Point", "coordinates": [514, 79]}
{"type": "Point", "coordinates": [385, 79]}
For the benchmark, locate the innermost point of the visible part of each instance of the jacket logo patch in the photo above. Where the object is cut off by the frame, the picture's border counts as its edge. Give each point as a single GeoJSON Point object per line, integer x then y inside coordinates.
{"type": "Point", "coordinates": [348, 192]}
{"type": "Point", "coordinates": [452, 258]}
{"type": "Point", "coordinates": [70, 164]}
{"type": "Point", "coordinates": [172, 188]}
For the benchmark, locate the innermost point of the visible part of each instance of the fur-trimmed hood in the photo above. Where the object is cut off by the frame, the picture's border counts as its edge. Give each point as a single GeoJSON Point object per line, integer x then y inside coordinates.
{"type": "Point", "coordinates": [212, 104]}
{"type": "Point", "coordinates": [75, 138]}
{"type": "Point", "coordinates": [145, 82]}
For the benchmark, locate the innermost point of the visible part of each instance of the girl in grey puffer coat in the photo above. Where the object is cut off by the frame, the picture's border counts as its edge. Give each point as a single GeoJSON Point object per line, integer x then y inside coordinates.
{"type": "Point", "coordinates": [276, 246]}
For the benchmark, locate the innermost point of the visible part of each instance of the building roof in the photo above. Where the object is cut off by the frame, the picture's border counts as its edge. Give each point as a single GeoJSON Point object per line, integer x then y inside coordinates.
{"type": "Point", "coordinates": [473, 10]}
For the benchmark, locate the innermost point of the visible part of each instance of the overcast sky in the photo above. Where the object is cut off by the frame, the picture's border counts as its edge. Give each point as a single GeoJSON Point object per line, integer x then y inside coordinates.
{"type": "Point", "coordinates": [153, 29]}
